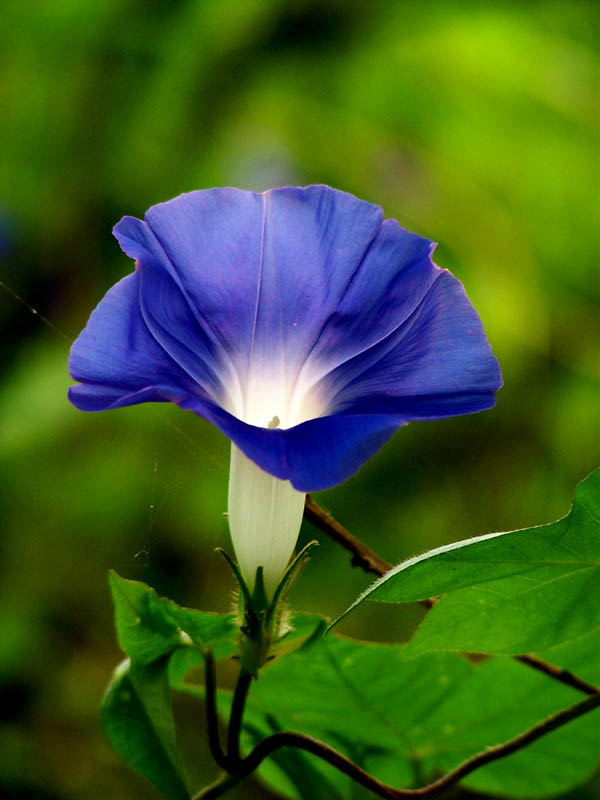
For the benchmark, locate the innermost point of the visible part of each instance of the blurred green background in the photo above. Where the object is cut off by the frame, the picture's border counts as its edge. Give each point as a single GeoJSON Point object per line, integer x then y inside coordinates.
{"type": "Point", "coordinates": [473, 123]}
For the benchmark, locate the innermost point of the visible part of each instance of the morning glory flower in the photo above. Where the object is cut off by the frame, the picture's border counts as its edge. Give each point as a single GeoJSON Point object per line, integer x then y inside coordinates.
{"type": "Point", "coordinates": [302, 324]}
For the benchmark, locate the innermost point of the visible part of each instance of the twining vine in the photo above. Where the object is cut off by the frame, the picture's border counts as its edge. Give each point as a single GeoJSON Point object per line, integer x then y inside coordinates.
{"type": "Point", "coordinates": [235, 768]}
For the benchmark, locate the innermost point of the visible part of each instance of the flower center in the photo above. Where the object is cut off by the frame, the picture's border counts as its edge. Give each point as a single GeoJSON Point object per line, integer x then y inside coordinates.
{"type": "Point", "coordinates": [268, 389]}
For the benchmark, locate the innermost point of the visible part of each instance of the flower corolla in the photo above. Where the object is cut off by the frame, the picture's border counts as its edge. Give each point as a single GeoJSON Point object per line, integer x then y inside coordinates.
{"type": "Point", "coordinates": [302, 324]}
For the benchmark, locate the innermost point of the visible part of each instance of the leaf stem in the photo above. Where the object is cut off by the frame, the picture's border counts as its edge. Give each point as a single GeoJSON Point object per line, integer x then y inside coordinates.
{"type": "Point", "coordinates": [340, 762]}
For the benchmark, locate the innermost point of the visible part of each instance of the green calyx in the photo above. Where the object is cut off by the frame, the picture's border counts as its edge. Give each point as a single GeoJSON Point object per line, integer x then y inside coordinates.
{"type": "Point", "coordinates": [263, 622]}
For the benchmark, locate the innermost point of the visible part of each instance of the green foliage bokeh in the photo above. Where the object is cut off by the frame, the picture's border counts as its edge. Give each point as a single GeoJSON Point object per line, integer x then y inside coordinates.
{"type": "Point", "coordinates": [471, 123]}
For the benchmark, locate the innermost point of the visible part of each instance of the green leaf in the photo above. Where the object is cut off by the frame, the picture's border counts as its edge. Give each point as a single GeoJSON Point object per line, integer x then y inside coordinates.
{"type": "Point", "coordinates": [352, 695]}
{"type": "Point", "coordinates": [137, 718]}
{"type": "Point", "coordinates": [510, 592]}
{"type": "Point", "coordinates": [145, 630]}
{"type": "Point", "coordinates": [149, 627]}
{"type": "Point", "coordinates": [163, 641]}
{"type": "Point", "coordinates": [205, 628]}
{"type": "Point", "coordinates": [554, 764]}
{"type": "Point", "coordinates": [356, 689]}
{"type": "Point", "coordinates": [407, 721]}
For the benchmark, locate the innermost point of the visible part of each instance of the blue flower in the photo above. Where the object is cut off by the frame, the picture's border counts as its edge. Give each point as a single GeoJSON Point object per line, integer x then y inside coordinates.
{"type": "Point", "coordinates": [299, 322]}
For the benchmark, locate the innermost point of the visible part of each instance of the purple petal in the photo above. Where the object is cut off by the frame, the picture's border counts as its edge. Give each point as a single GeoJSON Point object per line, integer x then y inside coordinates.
{"type": "Point", "coordinates": [326, 451]}
{"type": "Point", "coordinates": [315, 455]}
{"type": "Point", "coordinates": [117, 359]}
{"type": "Point", "coordinates": [296, 301]}
{"type": "Point", "coordinates": [209, 243]}
{"type": "Point", "coordinates": [92, 397]}
{"type": "Point", "coordinates": [179, 332]}
{"type": "Point", "coordinates": [262, 273]}
{"type": "Point", "coordinates": [437, 363]}
{"type": "Point", "coordinates": [315, 240]}
{"type": "Point", "coordinates": [391, 280]}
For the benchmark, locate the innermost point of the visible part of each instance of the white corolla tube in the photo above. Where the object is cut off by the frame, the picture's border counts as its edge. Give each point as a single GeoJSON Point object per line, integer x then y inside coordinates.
{"type": "Point", "coordinates": [265, 515]}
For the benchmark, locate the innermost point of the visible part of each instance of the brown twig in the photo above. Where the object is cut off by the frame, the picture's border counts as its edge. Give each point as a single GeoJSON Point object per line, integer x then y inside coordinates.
{"type": "Point", "coordinates": [559, 674]}
{"type": "Point", "coordinates": [367, 559]}
{"type": "Point", "coordinates": [340, 762]}
{"type": "Point", "coordinates": [362, 556]}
